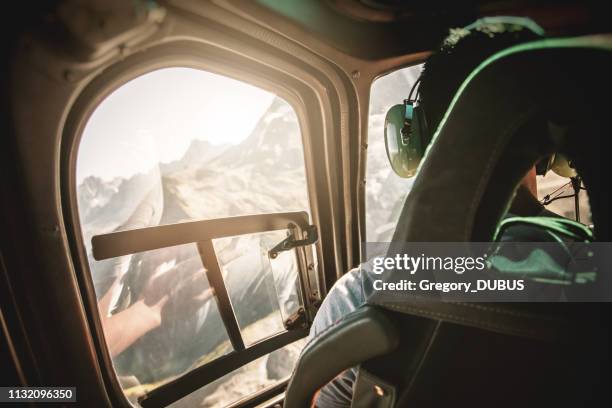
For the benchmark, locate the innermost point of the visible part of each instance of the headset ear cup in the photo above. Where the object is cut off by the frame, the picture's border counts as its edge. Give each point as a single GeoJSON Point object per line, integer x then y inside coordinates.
{"type": "Point", "coordinates": [394, 139]}
{"type": "Point", "coordinates": [402, 145]}
{"type": "Point", "coordinates": [406, 135]}
{"type": "Point", "coordinates": [562, 166]}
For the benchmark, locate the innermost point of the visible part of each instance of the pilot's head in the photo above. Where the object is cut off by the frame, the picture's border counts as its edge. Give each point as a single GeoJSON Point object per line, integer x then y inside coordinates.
{"type": "Point", "coordinates": [460, 54]}
{"type": "Point", "coordinates": [410, 126]}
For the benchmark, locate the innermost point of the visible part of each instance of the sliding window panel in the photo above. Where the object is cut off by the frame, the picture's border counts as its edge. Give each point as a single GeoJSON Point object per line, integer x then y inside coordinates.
{"type": "Point", "coordinates": [264, 291]}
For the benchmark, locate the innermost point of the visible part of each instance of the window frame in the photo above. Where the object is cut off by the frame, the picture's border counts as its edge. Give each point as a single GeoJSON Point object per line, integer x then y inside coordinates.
{"type": "Point", "coordinates": [202, 233]}
{"type": "Point", "coordinates": [187, 54]}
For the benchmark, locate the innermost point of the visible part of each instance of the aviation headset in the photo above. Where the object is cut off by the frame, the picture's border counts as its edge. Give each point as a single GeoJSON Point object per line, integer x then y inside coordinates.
{"type": "Point", "coordinates": [406, 132]}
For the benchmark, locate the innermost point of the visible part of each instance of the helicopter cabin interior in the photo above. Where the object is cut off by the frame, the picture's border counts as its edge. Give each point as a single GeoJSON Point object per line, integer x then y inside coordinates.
{"type": "Point", "coordinates": [188, 187]}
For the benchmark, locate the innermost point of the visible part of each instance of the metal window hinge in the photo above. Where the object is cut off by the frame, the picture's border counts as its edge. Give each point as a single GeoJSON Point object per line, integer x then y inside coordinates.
{"type": "Point", "coordinates": [296, 320]}
{"type": "Point", "coordinates": [312, 236]}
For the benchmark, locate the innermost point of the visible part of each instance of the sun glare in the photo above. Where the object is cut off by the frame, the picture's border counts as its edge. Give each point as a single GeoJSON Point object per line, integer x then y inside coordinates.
{"type": "Point", "coordinates": [155, 117]}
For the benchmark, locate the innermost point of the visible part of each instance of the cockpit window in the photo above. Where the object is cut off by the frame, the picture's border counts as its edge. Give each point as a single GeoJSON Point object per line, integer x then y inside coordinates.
{"type": "Point", "coordinates": [558, 191]}
{"type": "Point", "coordinates": [165, 165]}
{"type": "Point", "coordinates": [385, 190]}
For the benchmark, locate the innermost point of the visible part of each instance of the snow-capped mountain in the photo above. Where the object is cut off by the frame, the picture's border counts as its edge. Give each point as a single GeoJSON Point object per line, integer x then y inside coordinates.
{"type": "Point", "coordinates": [94, 192]}
{"type": "Point", "coordinates": [198, 153]}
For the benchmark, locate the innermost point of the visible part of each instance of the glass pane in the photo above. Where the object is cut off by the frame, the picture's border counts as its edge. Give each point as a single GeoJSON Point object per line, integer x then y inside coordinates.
{"type": "Point", "coordinates": [385, 190]}
{"type": "Point", "coordinates": [159, 316]}
{"type": "Point", "coordinates": [286, 281]}
{"type": "Point", "coordinates": [174, 145]}
{"type": "Point", "coordinates": [263, 291]}
{"type": "Point", "coordinates": [247, 380]}
{"type": "Point", "coordinates": [205, 145]}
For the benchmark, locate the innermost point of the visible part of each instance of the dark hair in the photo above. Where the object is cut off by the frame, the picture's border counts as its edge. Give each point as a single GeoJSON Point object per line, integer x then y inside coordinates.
{"type": "Point", "coordinates": [460, 53]}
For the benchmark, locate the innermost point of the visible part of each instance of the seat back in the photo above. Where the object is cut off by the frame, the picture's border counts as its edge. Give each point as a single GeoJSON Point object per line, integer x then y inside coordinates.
{"type": "Point", "coordinates": [512, 354]}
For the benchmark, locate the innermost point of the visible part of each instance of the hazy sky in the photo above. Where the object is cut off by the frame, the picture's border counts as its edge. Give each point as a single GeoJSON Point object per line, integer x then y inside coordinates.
{"type": "Point", "coordinates": [154, 118]}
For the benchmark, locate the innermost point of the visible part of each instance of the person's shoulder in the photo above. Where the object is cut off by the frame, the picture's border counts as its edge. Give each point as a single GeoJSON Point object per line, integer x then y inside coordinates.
{"type": "Point", "coordinates": [345, 296]}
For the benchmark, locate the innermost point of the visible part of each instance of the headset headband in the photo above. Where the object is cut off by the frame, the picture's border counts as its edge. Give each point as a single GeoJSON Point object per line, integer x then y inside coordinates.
{"type": "Point", "coordinates": [522, 22]}
{"type": "Point", "coordinates": [416, 83]}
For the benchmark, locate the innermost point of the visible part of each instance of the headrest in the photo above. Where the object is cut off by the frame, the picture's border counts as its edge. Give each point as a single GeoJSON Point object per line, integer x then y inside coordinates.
{"type": "Point", "coordinates": [484, 146]}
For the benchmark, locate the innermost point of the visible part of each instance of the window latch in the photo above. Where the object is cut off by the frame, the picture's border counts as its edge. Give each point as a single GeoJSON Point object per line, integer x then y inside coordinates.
{"type": "Point", "coordinates": [296, 320]}
{"type": "Point", "coordinates": [312, 236]}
